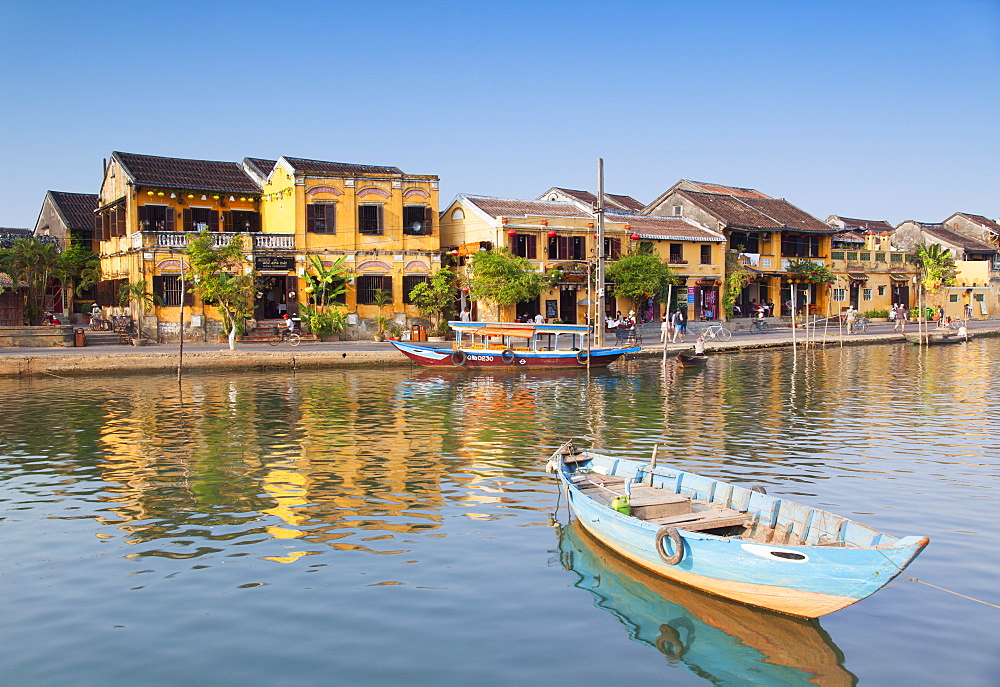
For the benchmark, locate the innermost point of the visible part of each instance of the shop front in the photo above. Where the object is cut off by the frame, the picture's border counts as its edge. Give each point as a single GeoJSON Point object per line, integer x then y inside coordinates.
{"type": "Point", "coordinates": [277, 287]}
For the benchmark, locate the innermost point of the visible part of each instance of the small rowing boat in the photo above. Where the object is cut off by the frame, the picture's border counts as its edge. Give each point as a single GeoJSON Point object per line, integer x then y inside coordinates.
{"type": "Point", "coordinates": [514, 345]}
{"type": "Point", "coordinates": [692, 359]}
{"type": "Point", "coordinates": [934, 339]}
{"type": "Point", "coordinates": [727, 539]}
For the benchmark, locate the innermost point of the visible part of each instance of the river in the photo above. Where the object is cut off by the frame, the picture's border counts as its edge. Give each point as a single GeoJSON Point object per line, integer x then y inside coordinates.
{"type": "Point", "coordinates": [395, 526]}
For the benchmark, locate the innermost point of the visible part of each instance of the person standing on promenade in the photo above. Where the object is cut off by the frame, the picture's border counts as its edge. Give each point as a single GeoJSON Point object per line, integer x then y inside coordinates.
{"type": "Point", "coordinates": [940, 316]}
{"type": "Point", "coordinates": [900, 318]}
{"type": "Point", "coordinates": [466, 315]}
{"type": "Point", "coordinates": [664, 330]}
{"type": "Point", "coordinates": [677, 326]}
{"type": "Point", "coordinates": [684, 321]}
{"type": "Point", "coordinates": [539, 319]}
{"type": "Point", "coordinates": [968, 311]}
{"type": "Point", "coordinates": [850, 317]}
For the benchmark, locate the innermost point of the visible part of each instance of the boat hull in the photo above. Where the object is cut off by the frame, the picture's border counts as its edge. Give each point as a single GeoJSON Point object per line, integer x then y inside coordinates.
{"type": "Point", "coordinates": [430, 356]}
{"type": "Point", "coordinates": [805, 581]}
{"type": "Point", "coordinates": [692, 360]}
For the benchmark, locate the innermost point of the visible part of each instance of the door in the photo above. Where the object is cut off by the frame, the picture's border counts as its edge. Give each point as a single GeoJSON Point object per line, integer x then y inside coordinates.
{"type": "Point", "coordinates": [567, 306]}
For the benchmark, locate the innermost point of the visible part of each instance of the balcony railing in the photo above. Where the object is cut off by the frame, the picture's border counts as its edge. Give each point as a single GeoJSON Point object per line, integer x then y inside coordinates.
{"type": "Point", "coordinates": [179, 239]}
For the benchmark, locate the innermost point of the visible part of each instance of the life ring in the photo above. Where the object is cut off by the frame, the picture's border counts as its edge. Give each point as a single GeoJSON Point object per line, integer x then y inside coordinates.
{"type": "Point", "coordinates": [458, 358]}
{"type": "Point", "coordinates": [581, 357]}
{"type": "Point", "coordinates": [675, 538]}
{"type": "Point", "coordinates": [508, 356]}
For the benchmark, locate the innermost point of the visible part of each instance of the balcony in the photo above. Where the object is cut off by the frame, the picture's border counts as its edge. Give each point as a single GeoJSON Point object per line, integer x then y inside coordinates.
{"type": "Point", "coordinates": [179, 239]}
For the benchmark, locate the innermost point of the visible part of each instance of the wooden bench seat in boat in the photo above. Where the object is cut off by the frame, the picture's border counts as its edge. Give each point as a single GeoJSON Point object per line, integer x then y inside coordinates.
{"type": "Point", "coordinates": [647, 502]}
{"type": "Point", "coordinates": [704, 516]}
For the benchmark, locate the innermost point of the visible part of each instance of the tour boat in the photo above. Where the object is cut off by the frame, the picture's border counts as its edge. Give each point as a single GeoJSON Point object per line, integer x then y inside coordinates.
{"type": "Point", "coordinates": [733, 541]}
{"type": "Point", "coordinates": [514, 345]}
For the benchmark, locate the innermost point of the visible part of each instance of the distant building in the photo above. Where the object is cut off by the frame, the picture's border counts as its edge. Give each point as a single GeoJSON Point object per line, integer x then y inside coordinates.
{"type": "Point", "coordinates": [68, 218]}
{"type": "Point", "coordinates": [873, 274]}
{"type": "Point", "coordinates": [767, 233]}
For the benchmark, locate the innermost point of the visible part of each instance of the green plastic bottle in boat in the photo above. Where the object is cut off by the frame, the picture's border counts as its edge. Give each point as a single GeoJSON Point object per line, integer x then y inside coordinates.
{"type": "Point", "coordinates": [621, 504]}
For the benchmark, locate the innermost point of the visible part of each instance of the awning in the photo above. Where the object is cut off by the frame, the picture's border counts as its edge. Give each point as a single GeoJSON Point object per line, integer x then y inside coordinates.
{"type": "Point", "coordinates": [518, 333]}
{"type": "Point", "coordinates": [857, 276]}
{"type": "Point", "coordinates": [898, 277]}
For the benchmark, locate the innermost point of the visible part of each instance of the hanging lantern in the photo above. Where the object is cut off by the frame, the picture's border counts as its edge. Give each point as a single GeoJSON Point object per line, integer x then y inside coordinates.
{"type": "Point", "coordinates": [634, 237]}
{"type": "Point", "coordinates": [190, 196]}
{"type": "Point", "coordinates": [204, 197]}
{"type": "Point", "coordinates": [545, 223]}
{"type": "Point", "coordinates": [232, 198]}
{"type": "Point", "coordinates": [215, 197]}
{"type": "Point", "coordinates": [243, 199]}
{"type": "Point", "coordinates": [551, 233]}
{"type": "Point", "coordinates": [595, 236]}
{"type": "Point", "coordinates": [512, 232]}
{"type": "Point", "coordinates": [149, 193]}
{"type": "Point", "coordinates": [503, 220]}
{"type": "Point", "coordinates": [173, 195]}
{"type": "Point", "coordinates": [465, 289]}
{"type": "Point", "coordinates": [159, 193]}
{"type": "Point", "coordinates": [590, 225]}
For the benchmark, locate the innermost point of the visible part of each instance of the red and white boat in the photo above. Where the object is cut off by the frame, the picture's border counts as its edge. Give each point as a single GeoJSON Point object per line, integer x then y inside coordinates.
{"type": "Point", "coordinates": [514, 345]}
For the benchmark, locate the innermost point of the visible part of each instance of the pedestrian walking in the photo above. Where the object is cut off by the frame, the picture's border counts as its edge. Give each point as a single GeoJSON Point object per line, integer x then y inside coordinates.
{"type": "Point", "coordinates": [677, 326]}
{"type": "Point", "coordinates": [900, 319]}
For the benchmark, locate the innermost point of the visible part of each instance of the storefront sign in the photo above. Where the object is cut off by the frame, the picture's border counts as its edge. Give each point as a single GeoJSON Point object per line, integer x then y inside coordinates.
{"type": "Point", "coordinates": [274, 263]}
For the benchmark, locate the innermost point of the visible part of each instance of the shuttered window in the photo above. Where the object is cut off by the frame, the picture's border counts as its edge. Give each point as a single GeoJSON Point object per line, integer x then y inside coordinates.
{"type": "Point", "coordinates": [155, 218]}
{"type": "Point", "coordinates": [410, 281]}
{"type": "Point", "coordinates": [369, 284]}
{"type": "Point", "coordinates": [321, 218]}
{"type": "Point", "coordinates": [168, 289]}
{"type": "Point", "coordinates": [524, 246]}
{"type": "Point", "coordinates": [201, 219]}
{"type": "Point", "coordinates": [418, 220]}
{"type": "Point", "coordinates": [241, 221]}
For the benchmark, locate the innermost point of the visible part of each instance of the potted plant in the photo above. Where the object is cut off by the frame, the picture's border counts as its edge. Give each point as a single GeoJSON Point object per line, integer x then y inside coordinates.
{"type": "Point", "coordinates": [382, 298]}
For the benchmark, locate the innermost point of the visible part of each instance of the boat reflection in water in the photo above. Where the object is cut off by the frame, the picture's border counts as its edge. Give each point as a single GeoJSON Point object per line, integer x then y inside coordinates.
{"type": "Point", "coordinates": [725, 642]}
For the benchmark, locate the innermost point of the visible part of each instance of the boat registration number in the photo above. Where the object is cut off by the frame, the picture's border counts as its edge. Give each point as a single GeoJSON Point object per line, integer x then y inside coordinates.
{"type": "Point", "coordinates": [481, 358]}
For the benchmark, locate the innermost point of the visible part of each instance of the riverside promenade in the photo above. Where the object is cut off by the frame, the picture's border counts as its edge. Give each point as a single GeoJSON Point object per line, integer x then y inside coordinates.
{"type": "Point", "coordinates": [163, 358]}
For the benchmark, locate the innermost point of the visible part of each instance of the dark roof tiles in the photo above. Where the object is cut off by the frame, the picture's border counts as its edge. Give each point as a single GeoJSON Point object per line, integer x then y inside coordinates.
{"type": "Point", "coordinates": [77, 209]}
{"type": "Point", "coordinates": [967, 244]}
{"type": "Point", "coordinates": [758, 213]}
{"type": "Point", "coordinates": [510, 207]}
{"type": "Point", "coordinates": [201, 175]}
{"type": "Point", "coordinates": [982, 221]}
{"type": "Point", "coordinates": [866, 224]}
{"type": "Point", "coordinates": [338, 168]}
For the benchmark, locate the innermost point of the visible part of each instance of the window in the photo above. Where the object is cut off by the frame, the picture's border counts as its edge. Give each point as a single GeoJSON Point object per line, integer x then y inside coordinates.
{"type": "Point", "coordinates": [881, 290]}
{"type": "Point", "coordinates": [980, 297]}
{"type": "Point", "coordinates": [706, 254]}
{"type": "Point", "coordinates": [154, 218]}
{"type": "Point", "coordinates": [678, 209]}
{"type": "Point", "coordinates": [866, 294]}
{"type": "Point", "coordinates": [567, 248]}
{"type": "Point", "coordinates": [802, 246]}
{"type": "Point", "coordinates": [676, 253]}
{"type": "Point", "coordinates": [880, 257]}
{"type": "Point", "coordinates": [241, 221]}
{"type": "Point", "coordinates": [369, 284]}
{"type": "Point", "coordinates": [865, 257]}
{"type": "Point", "coordinates": [409, 281]}
{"type": "Point", "coordinates": [168, 288]}
{"type": "Point", "coordinates": [852, 256]}
{"type": "Point", "coordinates": [457, 214]}
{"type": "Point", "coordinates": [837, 255]}
{"type": "Point", "coordinates": [321, 218]}
{"type": "Point", "coordinates": [524, 246]}
{"type": "Point", "coordinates": [418, 220]}
{"type": "Point", "coordinates": [748, 242]}
{"type": "Point", "coordinates": [370, 219]}
{"type": "Point", "coordinates": [840, 295]}
{"type": "Point", "coordinates": [612, 248]}
{"type": "Point", "coordinates": [201, 219]}
{"type": "Point", "coordinates": [953, 298]}
{"type": "Point", "coordinates": [895, 257]}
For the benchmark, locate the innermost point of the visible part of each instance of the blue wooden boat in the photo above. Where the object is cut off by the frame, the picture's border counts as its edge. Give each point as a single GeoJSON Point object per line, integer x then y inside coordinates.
{"type": "Point", "coordinates": [724, 642]}
{"type": "Point", "coordinates": [727, 539]}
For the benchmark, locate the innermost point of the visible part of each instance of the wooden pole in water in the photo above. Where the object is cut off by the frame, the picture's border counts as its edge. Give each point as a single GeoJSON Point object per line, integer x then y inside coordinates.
{"type": "Point", "coordinates": [599, 251]}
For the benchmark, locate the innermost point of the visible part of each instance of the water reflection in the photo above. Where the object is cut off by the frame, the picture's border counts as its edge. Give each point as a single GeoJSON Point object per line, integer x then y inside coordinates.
{"type": "Point", "coordinates": [724, 642]}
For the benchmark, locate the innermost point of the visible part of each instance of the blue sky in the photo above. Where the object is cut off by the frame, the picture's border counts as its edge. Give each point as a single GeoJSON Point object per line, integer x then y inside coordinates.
{"type": "Point", "coordinates": [879, 110]}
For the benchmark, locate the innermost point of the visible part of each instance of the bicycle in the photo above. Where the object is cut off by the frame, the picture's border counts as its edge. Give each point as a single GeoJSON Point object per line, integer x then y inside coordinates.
{"type": "Point", "coordinates": [717, 331]}
{"type": "Point", "coordinates": [285, 335]}
{"type": "Point", "coordinates": [860, 325]}
{"type": "Point", "coordinates": [758, 326]}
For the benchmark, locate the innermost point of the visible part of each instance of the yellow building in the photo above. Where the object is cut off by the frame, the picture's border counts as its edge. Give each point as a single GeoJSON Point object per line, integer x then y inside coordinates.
{"type": "Point", "coordinates": [381, 220]}
{"type": "Point", "coordinates": [282, 212]}
{"type": "Point", "coordinates": [558, 237]}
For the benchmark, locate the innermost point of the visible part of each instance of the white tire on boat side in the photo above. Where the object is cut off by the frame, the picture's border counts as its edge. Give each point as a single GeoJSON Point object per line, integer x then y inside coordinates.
{"type": "Point", "coordinates": [668, 532]}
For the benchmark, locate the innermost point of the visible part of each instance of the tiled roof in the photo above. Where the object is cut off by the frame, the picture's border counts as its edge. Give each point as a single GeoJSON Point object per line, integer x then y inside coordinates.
{"type": "Point", "coordinates": [758, 213]}
{"type": "Point", "coordinates": [201, 175]}
{"type": "Point", "coordinates": [730, 190]}
{"type": "Point", "coordinates": [611, 200]}
{"type": "Point", "coordinates": [9, 234]}
{"type": "Point", "coordinates": [866, 224]}
{"type": "Point", "coordinates": [967, 244]}
{"type": "Point", "coordinates": [849, 236]}
{"type": "Point", "coordinates": [76, 209]}
{"type": "Point", "coordinates": [338, 168]}
{"type": "Point", "coordinates": [510, 207]}
{"type": "Point", "coordinates": [261, 165]}
{"type": "Point", "coordinates": [982, 221]}
{"type": "Point", "coordinates": [653, 227]}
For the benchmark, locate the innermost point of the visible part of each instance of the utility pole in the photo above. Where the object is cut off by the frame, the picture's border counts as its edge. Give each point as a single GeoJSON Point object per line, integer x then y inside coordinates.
{"type": "Point", "coordinates": [599, 211]}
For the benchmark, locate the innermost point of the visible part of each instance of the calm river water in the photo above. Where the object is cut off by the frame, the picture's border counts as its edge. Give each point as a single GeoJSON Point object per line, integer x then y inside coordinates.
{"type": "Point", "coordinates": [395, 526]}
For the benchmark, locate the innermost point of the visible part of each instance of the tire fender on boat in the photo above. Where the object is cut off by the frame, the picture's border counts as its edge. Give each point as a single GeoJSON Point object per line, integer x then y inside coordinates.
{"type": "Point", "coordinates": [581, 357]}
{"type": "Point", "coordinates": [508, 356]}
{"type": "Point", "coordinates": [458, 358]}
{"type": "Point", "coordinates": [668, 532]}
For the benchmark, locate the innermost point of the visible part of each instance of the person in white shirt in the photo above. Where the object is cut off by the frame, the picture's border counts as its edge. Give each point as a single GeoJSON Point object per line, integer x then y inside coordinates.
{"type": "Point", "coordinates": [466, 316]}
{"type": "Point", "coordinates": [539, 319]}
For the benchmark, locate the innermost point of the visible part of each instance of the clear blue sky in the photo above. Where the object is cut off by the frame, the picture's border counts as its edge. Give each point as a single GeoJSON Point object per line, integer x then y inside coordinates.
{"type": "Point", "coordinates": [880, 110]}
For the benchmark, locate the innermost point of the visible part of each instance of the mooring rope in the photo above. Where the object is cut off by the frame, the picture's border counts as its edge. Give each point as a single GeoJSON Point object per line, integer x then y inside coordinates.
{"type": "Point", "coordinates": [964, 596]}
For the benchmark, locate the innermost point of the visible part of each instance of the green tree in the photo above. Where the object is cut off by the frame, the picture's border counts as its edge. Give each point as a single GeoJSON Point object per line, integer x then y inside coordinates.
{"type": "Point", "coordinates": [810, 271]}
{"type": "Point", "coordinates": [78, 269]}
{"type": "Point", "coordinates": [323, 286]}
{"type": "Point", "coordinates": [935, 265]}
{"type": "Point", "coordinates": [501, 278]}
{"type": "Point", "coordinates": [436, 297]}
{"type": "Point", "coordinates": [138, 298]}
{"type": "Point", "coordinates": [639, 275]}
{"type": "Point", "coordinates": [31, 263]}
{"type": "Point", "coordinates": [737, 278]}
{"type": "Point", "coordinates": [218, 275]}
